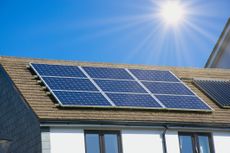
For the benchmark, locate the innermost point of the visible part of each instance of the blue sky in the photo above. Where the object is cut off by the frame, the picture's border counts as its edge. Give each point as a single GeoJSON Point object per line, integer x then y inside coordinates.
{"type": "Point", "coordinates": [120, 31]}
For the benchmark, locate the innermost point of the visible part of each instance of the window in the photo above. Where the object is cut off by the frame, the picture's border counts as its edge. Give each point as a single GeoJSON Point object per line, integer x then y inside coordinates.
{"type": "Point", "coordinates": [196, 143]}
{"type": "Point", "coordinates": [103, 142]}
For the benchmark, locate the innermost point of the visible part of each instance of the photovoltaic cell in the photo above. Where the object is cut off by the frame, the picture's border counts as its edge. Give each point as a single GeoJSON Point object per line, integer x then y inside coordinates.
{"type": "Point", "coordinates": [72, 87]}
{"type": "Point", "coordinates": [167, 88]}
{"type": "Point", "coordinates": [218, 90]}
{"type": "Point", "coordinates": [154, 75]}
{"type": "Point", "coordinates": [120, 86]}
{"type": "Point", "coordinates": [133, 100]}
{"type": "Point", "coordinates": [81, 98]}
{"type": "Point", "coordinates": [58, 70]}
{"type": "Point", "coordinates": [69, 84]}
{"type": "Point", "coordinates": [108, 73]}
{"type": "Point", "coordinates": [182, 102]}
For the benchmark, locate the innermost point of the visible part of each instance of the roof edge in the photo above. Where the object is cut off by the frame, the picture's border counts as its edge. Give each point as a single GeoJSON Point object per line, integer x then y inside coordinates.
{"type": "Point", "coordinates": [135, 123]}
{"type": "Point", "coordinates": [217, 50]}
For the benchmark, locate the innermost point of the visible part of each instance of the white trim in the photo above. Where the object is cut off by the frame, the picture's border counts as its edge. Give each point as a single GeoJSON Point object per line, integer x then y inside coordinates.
{"type": "Point", "coordinates": [218, 47]}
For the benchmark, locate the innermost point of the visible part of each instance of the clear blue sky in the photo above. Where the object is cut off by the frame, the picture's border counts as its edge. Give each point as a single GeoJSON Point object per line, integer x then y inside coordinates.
{"type": "Point", "coordinates": [117, 31]}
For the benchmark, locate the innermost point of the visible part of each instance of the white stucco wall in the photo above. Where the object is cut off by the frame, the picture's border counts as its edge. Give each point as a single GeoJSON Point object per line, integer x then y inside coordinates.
{"type": "Point", "coordinates": [221, 142]}
{"type": "Point", "coordinates": [64, 140]}
{"type": "Point", "coordinates": [172, 142]}
{"type": "Point", "coordinates": [71, 140]}
{"type": "Point", "coordinates": [141, 141]}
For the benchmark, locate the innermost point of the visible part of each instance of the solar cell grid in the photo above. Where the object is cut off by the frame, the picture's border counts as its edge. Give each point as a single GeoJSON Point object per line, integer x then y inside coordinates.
{"type": "Point", "coordinates": [57, 70]}
{"type": "Point", "coordinates": [105, 86]}
{"type": "Point", "coordinates": [133, 100]}
{"type": "Point", "coordinates": [108, 73]}
{"type": "Point", "coordinates": [167, 88]}
{"type": "Point", "coordinates": [81, 98]}
{"type": "Point", "coordinates": [69, 84]}
{"type": "Point", "coordinates": [217, 90]}
{"type": "Point", "coordinates": [154, 75]}
{"type": "Point", "coordinates": [120, 86]}
{"type": "Point", "coordinates": [182, 102]}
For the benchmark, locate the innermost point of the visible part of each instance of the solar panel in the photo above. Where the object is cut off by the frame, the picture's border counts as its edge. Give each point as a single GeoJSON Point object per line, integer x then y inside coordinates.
{"type": "Point", "coordinates": [69, 84]}
{"type": "Point", "coordinates": [81, 98]}
{"type": "Point", "coordinates": [217, 90]}
{"type": "Point", "coordinates": [154, 75]}
{"type": "Point", "coordinates": [110, 87]}
{"type": "Point", "coordinates": [57, 70]}
{"type": "Point", "coordinates": [120, 86]}
{"type": "Point", "coordinates": [167, 88]}
{"type": "Point", "coordinates": [109, 73]}
{"type": "Point", "coordinates": [134, 100]}
{"type": "Point", "coordinates": [182, 102]}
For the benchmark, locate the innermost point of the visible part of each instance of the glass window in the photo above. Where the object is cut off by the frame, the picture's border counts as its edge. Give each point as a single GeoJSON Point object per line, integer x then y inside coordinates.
{"type": "Point", "coordinates": [111, 145]}
{"type": "Point", "coordinates": [102, 142]}
{"type": "Point", "coordinates": [186, 144]}
{"type": "Point", "coordinates": [195, 143]}
{"type": "Point", "coordinates": [204, 144]}
{"type": "Point", "coordinates": [92, 143]}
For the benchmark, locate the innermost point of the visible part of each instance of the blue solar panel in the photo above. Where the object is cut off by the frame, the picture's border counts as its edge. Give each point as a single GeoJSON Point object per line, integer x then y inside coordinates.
{"type": "Point", "coordinates": [57, 70]}
{"type": "Point", "coordinates": [154, 75]}
{"type": "Point", "coordinates": [120, 86]}
{"type": "Point", "coordinates": [167, 88]}
{"type": "Point", "coordinates": [218, 90]}
{"type": "Point", "coordinates": [182, 102]}
{"type": "Point", "coordinates": [69, 84]}
{"type": "Point", "coordinates": [133, 100]}
{"type": "Point", "coordinates": [81, 99]}
{"type": "Point", "coordinates": [72, 87]}
{"type": "Point", "coordinates": [108, 73]}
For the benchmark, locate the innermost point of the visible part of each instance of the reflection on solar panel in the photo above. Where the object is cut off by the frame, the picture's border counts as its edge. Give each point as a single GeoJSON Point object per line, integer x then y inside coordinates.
{"type": "Point", "coordinates": [116, 87]}
{"type": "Point", "coordinates": [217, 90]}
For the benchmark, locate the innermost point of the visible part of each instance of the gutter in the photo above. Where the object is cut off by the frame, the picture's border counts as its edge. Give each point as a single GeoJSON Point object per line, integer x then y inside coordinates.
{"type": "Point", "coordinates": [135, 124]}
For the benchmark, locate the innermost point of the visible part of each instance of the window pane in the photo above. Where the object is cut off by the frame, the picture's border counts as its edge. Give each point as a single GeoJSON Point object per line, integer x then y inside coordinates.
{"type": "Point", "coordinates": [92, 143]}
{"type": "Point", "coordinates": [186, 144]}
{"type": "Point", "coordinates": [111, 143]}
{"type": "Point", "coordinates": [204, 144]}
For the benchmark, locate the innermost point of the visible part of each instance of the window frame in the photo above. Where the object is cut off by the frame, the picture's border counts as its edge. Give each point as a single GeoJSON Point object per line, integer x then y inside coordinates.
{"type": "Point", "coordinates": [101, 134]}
{"type": "Point", "coordinates": [195, 140]}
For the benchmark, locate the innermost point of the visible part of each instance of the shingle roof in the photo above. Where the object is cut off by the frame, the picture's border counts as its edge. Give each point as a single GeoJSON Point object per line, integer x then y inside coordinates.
{"type": "Point", "coordinates": [46, 109]}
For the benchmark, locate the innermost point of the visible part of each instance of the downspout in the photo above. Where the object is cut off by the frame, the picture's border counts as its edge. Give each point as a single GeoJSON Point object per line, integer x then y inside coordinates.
{"type": "Point", "coordinates": [164, 139]}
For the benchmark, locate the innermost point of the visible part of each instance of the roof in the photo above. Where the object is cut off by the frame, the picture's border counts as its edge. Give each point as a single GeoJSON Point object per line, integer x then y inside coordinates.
{"type": "Point", "coordinates": [220, 46]}
{"type": "Point", "coordinates": [46, 109]}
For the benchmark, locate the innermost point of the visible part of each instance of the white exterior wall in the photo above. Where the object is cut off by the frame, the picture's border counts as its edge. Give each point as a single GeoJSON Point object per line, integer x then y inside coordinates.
{"type": "Point", "coordinates": [71, 140]}
{"type": "Point", "coordinates": [64, 140]}
{"type": "Point", "coordinates": [141, 141]}
{"type": "Point", "coordinates": [172, 142]}
{"type": "Point", "coordinates": [221, 142]}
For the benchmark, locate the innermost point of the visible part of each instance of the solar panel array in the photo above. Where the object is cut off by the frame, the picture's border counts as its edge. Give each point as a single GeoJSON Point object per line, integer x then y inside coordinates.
{"type": "Point", "coordinates": [218, 90]}
{"type": "Point", "coordinates": [76, 86]}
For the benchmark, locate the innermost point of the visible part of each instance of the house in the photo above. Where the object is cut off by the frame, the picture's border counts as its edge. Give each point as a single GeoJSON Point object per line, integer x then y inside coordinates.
{"type": "Point", "coordinates": [220, 55]}
{"type": "Point", "coordinates": [41, 114]}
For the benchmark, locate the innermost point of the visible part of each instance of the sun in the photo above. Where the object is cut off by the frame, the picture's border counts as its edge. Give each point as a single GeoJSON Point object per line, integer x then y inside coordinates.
{"type": "Point", "coordinates": [172, 12]}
